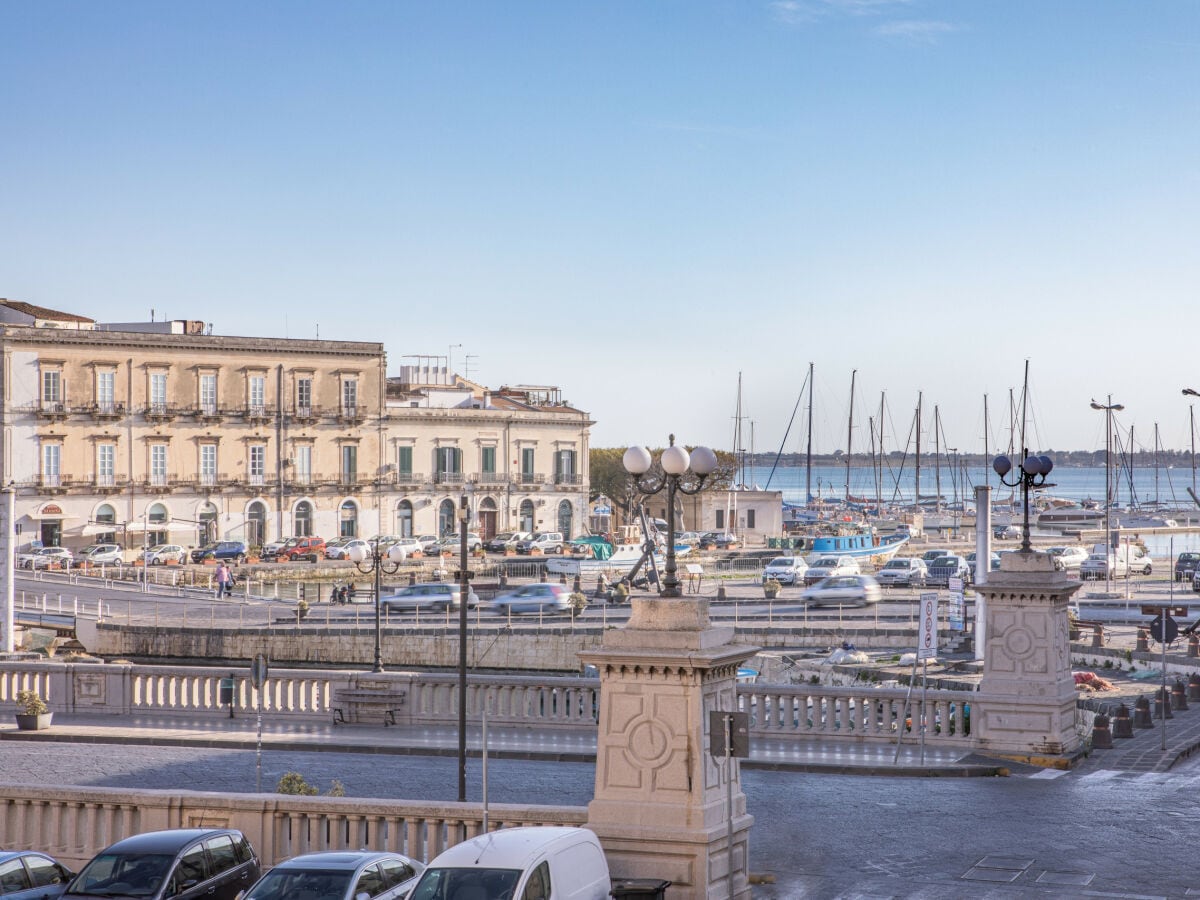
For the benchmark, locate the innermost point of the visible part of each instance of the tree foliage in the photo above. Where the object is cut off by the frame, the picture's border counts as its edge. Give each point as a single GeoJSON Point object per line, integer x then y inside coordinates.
{"type": "Point", "coordinates": [608, 475]}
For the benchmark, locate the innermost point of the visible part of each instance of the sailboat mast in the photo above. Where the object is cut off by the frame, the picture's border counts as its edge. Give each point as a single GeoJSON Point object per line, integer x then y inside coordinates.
{"type": "Point", "coordinates": [1192, 423]}
{"type": "Point", "coordinates": [808, 494]}
{"type": "Point", "coordinates": [1024, 409]}
{"type": "Point", "coordinates": [874, 470]}
{"type": "Point", "coordinates": [987, 456]}
{"type": "Point", "coordinates": [850, 433]}
{"type": "Point", "coordinates": [1156, 464]}
{"type": "Point", "coordinates": [937, 459]}
{"type": "Point", "coordinates": [879, 476]}
{"type": "Point", "coordinates": [917, 487]}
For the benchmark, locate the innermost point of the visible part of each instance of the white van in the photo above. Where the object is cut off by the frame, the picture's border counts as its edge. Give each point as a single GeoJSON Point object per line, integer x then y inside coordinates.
{"type": "Point", "coordinates": [537, 863]}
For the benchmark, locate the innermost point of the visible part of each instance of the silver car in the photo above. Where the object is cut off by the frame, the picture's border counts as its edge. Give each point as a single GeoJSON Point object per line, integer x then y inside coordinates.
{"type": "Point", "coordinates": [438, 595]}
{"type": "Point", "coordinates": [339, 875]}
{"type": "Point", "coordinates": [858, 590]}
{"type": "Point", "coordinates": [532, 598]}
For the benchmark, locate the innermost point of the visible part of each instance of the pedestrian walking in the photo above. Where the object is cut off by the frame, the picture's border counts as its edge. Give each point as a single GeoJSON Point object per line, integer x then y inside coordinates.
{"type": "Point", "coordinates": [224, 587]}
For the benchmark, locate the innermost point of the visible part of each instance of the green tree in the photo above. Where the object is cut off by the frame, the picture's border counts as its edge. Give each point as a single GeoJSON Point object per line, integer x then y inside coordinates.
{"type": "Point", "coordinates": [608, 476]}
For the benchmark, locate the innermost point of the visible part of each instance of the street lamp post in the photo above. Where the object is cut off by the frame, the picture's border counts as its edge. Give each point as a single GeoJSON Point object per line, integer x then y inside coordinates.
{"type": "Point", "coordinates": [1030, 474]}
{"type": "Point", "coordinates": [377, 564]}
{"type": "Point", "coordinates": [464, 592]}
{"type": "Point", "coordinates": [1109, 408]}
{"type": "Point", "coordinates": [681, 473]}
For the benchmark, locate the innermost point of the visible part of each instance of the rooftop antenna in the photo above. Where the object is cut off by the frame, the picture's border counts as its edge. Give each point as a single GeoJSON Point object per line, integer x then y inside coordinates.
{"type": "Point", "coordinates": [152, 314]}
{"type": "Point", "coordinates": [318, 331]}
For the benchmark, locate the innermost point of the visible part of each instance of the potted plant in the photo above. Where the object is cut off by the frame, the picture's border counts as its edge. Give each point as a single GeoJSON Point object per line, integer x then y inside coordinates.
{"type": "Point", "coordinates": [1073, 632]}
{"type": "Point", "coordinates": [301, 608]}
{"type": "Point", "coordinates": [35, 715]}
{"type": "Point", "coordinates": [577, 602]}
{"type": "Point", "coordinates": [771, 588]}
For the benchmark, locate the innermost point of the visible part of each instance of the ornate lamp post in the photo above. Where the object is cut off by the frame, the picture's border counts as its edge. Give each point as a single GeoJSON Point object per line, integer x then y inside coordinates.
{"type": "Point", "coordinates": [377, 563]}
{"type": "Point", "coordinates": [681, 472]}
{"type": "Point", "coordinates": [1030, 474]}
{"type": "Point", "coordinates": [1109, 408]}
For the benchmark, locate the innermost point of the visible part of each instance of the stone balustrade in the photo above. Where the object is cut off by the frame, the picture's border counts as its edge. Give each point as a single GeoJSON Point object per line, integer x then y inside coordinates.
{"type": "Point", "coordinates": [75, 823]}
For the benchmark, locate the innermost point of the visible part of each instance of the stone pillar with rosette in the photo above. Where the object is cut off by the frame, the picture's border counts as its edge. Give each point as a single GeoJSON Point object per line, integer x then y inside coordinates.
{"type": "Point", "coordinates": [660, 805]}
{"type": "Point", "coordinates": [1027, 694]}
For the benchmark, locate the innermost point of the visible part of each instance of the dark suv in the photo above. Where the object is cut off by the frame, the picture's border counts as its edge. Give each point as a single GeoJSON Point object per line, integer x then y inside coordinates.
{"type": "Point", "coordinates": [230, 551]}
{"type": "Point", "coordinates": [184, 864]}
{"type": "Point", "coordinates": [1185, 566]}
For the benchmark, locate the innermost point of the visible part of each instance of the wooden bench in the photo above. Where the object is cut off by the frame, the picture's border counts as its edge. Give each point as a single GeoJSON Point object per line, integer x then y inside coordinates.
{"type": "Point", "coordinates": [359, 700]}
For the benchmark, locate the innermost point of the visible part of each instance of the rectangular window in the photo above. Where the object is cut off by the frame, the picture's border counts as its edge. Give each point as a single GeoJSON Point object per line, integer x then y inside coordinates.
{"type": "Point", "coordinates": [404, 460]}
{"type": "Point", "coordinates": [564, 466]}
{"type": "Point", "coordinates": [208, 464]}
{"type": "Point", "coordinates": [158, 464]}
{"type": "Point", "coordinates": [258, 395]}
{"type": "Point", "coordinates": [749, 518]}
{"type": "Point", "coordinates": [106, 458]}
{"type": "Point", "coordinates": [303, 464]}
{"type": "Point", "coordinates": [349, 396]}
{"type": "Point", "coordinates": [449, 465]}
{"type": "Point", "coordinates": [52, 397]}
{"type": "Point", "coordinates": [257, 463]}
{"type": "Point", "coordinates": [489, 460]}
{"type": "Point", "coordinates": [349, 463]}
{"type": "Point", "coordinates": [720, 520]}
{"type": "Point", "coordinates": [304, 396]}
{"type": "Point", "coordinates": [527, 465]}
{"type": "Point", "coordinates": [208, 394]}
{"type": "Point", "coordinates": [158, 392]}
{"type": "Point", "coordinates": [51, 465]}
{"type": "Point", "coordinates": [106, 391]}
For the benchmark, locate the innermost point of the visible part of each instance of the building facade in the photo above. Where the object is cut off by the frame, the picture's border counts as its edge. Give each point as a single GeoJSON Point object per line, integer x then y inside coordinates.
{"type": "Point", "coordinates": [166, 433]}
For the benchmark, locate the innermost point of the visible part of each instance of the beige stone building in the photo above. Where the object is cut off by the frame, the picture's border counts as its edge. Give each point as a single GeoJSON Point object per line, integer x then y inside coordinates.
{"type": "Point", "coordinates": [166, 433]}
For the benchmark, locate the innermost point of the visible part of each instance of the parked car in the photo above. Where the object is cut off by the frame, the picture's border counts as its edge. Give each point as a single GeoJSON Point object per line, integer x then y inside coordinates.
{"type": "Point", "coordinates": [1067, 559]}
{"type": "Point", "coordinates": [187, 863]}
{"type": "Point", "coordinates": [1006, 532]}
{"type": "Point", "coordinates": [339, 875]}
{"type": "Point", "coordinates": [101, 555]}
{"type": "Point", "coordinates": [786, 569]}
{"type": "Point", "coordinates": [435, 595]}
{"type": "Point", "coordinates": [506, 541]}
{"type": "Point", "coordinates": [340, 549]}
{"type": "Point", "coordinates": [1123, 561]}
{"type": "Point", "coordinates": [161, 554]}
{"type": "Point", "coordinates": [1185, 566]}
{"type": "Point", "coordinates": [309, 548]}
{"type": "Point", "coordinates": [427, 542]}
{"type": "Point", "coordinates": [271, 548]}
{"type": "Point", "coordinates": [825, 566]}
{"type": "Point", "coordinates": [45, 557]}
{"type": "Point", "coordinates": [842, 589]}
{"type": "Point", "coordinates": [545, 541]}
{"type": "Point", "coordinates": [934, 553]}
{"type": "Point", "coordinates": [409, 545]}
{"type": "Point", "coordinates": [532, 598]}
{"type": "Point", "coordinates": [905, 570]}
{"type": "Point", "coordinates": [722, 540]}
{"type": "Point", "coordinates": [944, 568]}
{"type": "Point", "coordinates": [994, 563]}
{"type": "Point", "coordinates": [453, 543]}
{"type": "Point", "coordinates": [227, 551]}
{"type": "Point", "coordinates": [539, 861]}
{"type": "Point", "coordinates": [691, 538]}
{"type": "Point", "coordinates": [30, 875]}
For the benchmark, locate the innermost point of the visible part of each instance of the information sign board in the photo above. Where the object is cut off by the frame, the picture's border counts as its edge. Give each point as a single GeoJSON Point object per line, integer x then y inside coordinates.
{"type": "Point", "coordinates": [957, 612]}
{"type": "Point", "coordinates": [927, 633]}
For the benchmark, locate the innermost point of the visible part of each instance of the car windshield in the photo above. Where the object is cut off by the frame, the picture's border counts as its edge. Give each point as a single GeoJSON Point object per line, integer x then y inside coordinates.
{"type": "Point", "coordinates": [311, 884]}
{"type": "Point", "coordinates": [944, 561]}
{"type": "Point", "coordinates": [437, 884]}
{"type": "Point", "coordinates": [1189, 557]}
{"type": "Point", "coordinates": [122, 875]}
{"type": "Point", "coordinates": [783, 561]}
{"type": "Point", "coordinates": [897, 564]}
{"type": "Point", "coordinates": [827, 563]}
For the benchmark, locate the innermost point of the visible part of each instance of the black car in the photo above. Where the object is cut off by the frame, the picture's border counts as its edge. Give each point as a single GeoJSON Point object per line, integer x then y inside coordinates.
{"type": "Point", "coordinates": [184, 863]}
{"type": "Point", "coordinates": [1185, 566]}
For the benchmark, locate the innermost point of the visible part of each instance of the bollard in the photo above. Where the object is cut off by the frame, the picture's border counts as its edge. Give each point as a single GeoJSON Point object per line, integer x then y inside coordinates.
{"type": "Point", "coordinates": [412, 578]}
{"type": "Point", "coordinates": [1193, 646]}
{"type": "Point", "coordinates": [721, 592]}
{"type": "Point", "coordinates": [1143, 641]}
{"type": "Point", "coordinates": [1162, 704]}
{"type": "Point", "coordinates": [1121, 726]}
{"type": "Point", "coordinates": [1141, 713]}
{"type": "Point", "coordinates": [542, 576]}
{"type": "Point", "coordinates": [503, 579]}
{"type": "Point", "coordinates": [562, 578]}
{"type": "Point", "coordinates": [1179, 695]}
{"type": "Point", "coordinates": [1101, 736]}
{"type": "Point", "coordinates": [577, 585]}
{"type": "Point", "coordinates": [1097, 636]}
{"type": "Point", "coordinates": [1193, 688]}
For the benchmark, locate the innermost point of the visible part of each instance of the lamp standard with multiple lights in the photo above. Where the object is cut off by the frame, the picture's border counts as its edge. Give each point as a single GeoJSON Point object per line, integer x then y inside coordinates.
{"type": "Point", "coordinates": [377, 563]}
{"type": "Point", "coordinates": [1109, 408]}
{"type": "Point", "coordinates": [681, 473]}
{"type": "Point", "coordinates": [1029, 475]}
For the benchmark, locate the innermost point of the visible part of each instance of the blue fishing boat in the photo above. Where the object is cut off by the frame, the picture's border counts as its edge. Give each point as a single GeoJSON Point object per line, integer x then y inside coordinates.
{"type": "Point", "coordinates": [861, 542]}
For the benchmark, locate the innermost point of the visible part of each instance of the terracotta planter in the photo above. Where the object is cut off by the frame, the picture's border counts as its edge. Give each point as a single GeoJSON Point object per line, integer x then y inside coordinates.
{"type": "Point", "coordinates": [35, 722]}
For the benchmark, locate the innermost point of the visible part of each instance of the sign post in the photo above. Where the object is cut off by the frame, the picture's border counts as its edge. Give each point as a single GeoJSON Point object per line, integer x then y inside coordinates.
{"type": "Point", "coordinates": [729, 736]}
{"type": "Point", "coordinates": [258, 676]}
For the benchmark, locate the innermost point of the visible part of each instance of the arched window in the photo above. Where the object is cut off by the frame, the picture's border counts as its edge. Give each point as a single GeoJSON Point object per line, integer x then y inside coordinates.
{"type": "Point", "coordinates": [106, 515]}
{"type": "Point", "coordinates": [447, 524]}
{"type": "Point", "coordinates": [526, 515]}
{"type": "Point", "coordinates": [565, 511]}
{"type": "Point", "coordinates": [256, 523]}
{"type": "Point", "coordinates": [157, 524]}
{"type": "Point", "coordinates": [302, 519]}
{"type": "Point", "coordinates": [404, 519]}
{"type": "Point", "coordinates": [348, 519]}
{"type": "Point", "coordinates": [207, 515]}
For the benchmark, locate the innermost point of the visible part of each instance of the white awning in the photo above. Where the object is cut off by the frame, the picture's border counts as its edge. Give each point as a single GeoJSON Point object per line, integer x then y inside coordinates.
{"type": "Point", "coordinates": [139, 527]}
{"type": "Point", "coordinates": [93, 528]}
{"type": "Point", "coordinates": [48, 517]}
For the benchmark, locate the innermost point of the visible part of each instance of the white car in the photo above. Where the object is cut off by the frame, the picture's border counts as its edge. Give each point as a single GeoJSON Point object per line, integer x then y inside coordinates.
{"type": "Point", "coordinates": [905, 570]}
{"type": "Point", "coordinates": [340, 549]}
{"type": "Point", "coordinates": [161, 554]}
{"type": "Point", "coordinates": [45, 557]}
{"type": "Point", "coordinates": [786, 569]}
{"type": "Point", "coordinates": [453, 543]}
{"type": "Point", "coordinates": [826, 566]}
{"type": "Point", "coordinates": [842, 589]}
{"type": "Point", "coordinates": [428, 542]}
{"type": "Point", "coordinates": [102, 555]}
{"type": "Point", "coordinates": [1068, 559]}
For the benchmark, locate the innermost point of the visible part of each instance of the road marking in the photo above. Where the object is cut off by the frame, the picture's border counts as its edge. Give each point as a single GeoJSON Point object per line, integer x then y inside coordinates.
{"type": "Point", "coordinates": [1049, 773]}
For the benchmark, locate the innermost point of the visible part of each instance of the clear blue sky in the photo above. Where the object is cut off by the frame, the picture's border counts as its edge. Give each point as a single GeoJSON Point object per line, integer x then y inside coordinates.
{"type": "Point", "coordinates": [639, 200]}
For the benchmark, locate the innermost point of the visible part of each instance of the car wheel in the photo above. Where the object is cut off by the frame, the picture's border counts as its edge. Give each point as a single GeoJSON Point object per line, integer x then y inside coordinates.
{"type": "Point", "coordinates": [240, 559]}
{"type": "Point", "coordinates": [312, 558]}
{"type": "Point", "coordinates": [1147, 570]}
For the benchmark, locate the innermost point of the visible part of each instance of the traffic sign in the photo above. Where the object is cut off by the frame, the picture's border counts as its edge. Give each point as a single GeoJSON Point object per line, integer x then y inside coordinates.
{"type": "Point", "coordinates": [927, 633]}
{"type": "Point", "coordinates": [258, 671]}
{"type": "Point", "coordinates": [1164, 629]}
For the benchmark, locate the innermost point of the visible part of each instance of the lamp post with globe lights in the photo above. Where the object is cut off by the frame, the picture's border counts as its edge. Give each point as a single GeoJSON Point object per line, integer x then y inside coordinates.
{"type": "Point", "coordinates": [1029, 475]}
{"type": "Point", "coordinates": [377, 563]}
{"type": "Point", "coordinates": [682, 472]}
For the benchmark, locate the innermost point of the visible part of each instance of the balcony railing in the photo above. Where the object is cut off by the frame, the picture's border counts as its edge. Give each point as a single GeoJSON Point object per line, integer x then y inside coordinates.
{"type": "Point", "coordinates": [107, 482]}
{"type": "Point", "coordinates": [352, 412]}
{"type": "Point", "coordinates": [301, 477]}
{"type": "Point", "coordinates": [258, 411]}
{"type": "Point", "coordinates": [448, 478]}
{"type": "Point", "coordinates": [304, 413]}
{"type": "Point", "coordinates": [568, 478]}
{"type": "Point", "coordinates": [159, 480]}
{"type": "Point", "coordinates": [53, 409]}
{"type": "Point", "coordinates": [256, 479]}
{"type": "Point", "coordinates": [51, 480]}
{"type": "Point", "coordinates": [105, 479]}
{"type": "Point", "coordinates": [490, 478]}
{"type": "Point", "coordinates": [107, 409]}
{"type": "Point", "coordinates": [207, 479]}
{"type": "Point", "coordinates": [530, 478]}
{"type": "Point", "coordinates": [156, 410]}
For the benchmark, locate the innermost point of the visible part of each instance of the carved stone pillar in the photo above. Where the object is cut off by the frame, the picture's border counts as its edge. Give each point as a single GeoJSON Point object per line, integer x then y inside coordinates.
{"type": "Point", "coordinates": [660, 804]}
{"type": "Point", "coordinates": [1027, 702]}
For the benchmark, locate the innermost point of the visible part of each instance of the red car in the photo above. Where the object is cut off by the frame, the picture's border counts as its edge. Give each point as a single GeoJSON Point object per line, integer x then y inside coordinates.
{"type": "Point", "coordinates": [310, 548]}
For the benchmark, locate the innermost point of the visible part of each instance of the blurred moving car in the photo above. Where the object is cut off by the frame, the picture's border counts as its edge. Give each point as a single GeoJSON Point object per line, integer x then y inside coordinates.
{"type": "Point", "coordinates": [532, 598]}
{"type": "Point", "coordinates": [435, 595]}
{"type": "Point", "coordinates": [507, 540]}
{"type": "Point", "coordinates": [339, 875]}
{"type": "Point", "coordinates": [28, 874]}
{"type": "Point", "coordinates": [909, 571]}
{"type": "Point", "coordinates": [842, 589]}
{"type": "Point", "coordinates": [45, 557]}
{"type": "Point", "coordinates": [786, 569]}
{"type": "Point", "coordinates": [161, 554]}
{"type": "Point", "coordinates": [213, 863]}
{"type": "Point", "coordinates": [101, 555]}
